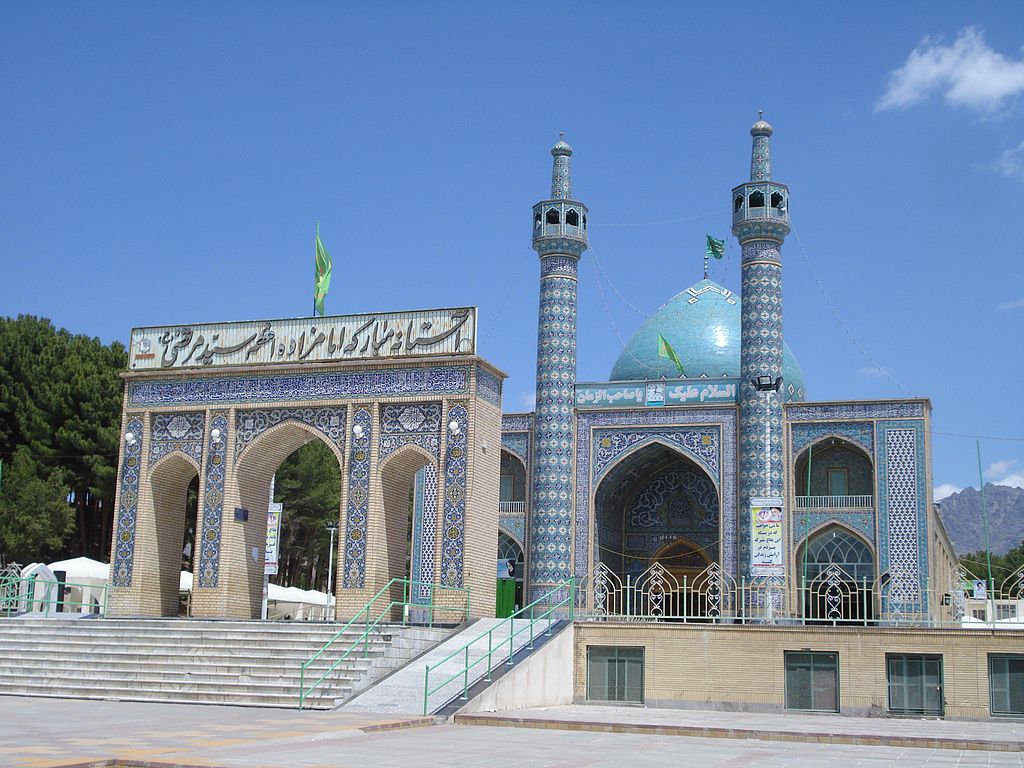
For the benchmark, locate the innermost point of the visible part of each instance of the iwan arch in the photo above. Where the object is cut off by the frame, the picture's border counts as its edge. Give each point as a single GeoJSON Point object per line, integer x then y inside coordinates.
{"type": "Point", "coordinates": [416, 411]}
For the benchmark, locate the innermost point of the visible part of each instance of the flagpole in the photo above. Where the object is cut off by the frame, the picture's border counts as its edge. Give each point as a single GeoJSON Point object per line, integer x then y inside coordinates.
{"type": "Point", "coordinates": [984, 517]}
{"type": "Point", "coordinates": [315, 275]}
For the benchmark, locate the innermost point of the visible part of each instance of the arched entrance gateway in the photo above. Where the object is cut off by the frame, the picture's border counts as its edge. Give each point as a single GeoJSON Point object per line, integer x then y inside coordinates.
{"type": "Point", "coordinates": [411, 414]}
{"type": "Point", "coordinates": [658, 537]}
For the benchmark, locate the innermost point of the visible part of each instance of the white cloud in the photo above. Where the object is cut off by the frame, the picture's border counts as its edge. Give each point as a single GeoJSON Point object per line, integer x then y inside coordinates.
{"type": "Point", "coordinates": [1011, 165]}
{"type": "Point", "coordinates": [1006, 306]}
{"type": "Point", "coordinates": [946, 489]}
{"type": "Point", "coordinates": [999, 468]}
{"type": "Point", "coordinates": [1016, 480]}
{"type": "Point", "coordinates": [967, 73]}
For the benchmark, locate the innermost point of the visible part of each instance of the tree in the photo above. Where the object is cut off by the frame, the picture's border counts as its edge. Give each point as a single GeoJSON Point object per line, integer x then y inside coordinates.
{"type": "Point", "coordinates": [35, 516]}
{"type": "Point", "coordinates": [60, 398]}
{"type": "Point", "coordinates": [308, 486]}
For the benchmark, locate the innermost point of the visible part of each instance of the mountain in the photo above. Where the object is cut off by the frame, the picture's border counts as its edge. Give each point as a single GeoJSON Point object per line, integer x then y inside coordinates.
{"type": "Point", "coordinates": [961, 514]}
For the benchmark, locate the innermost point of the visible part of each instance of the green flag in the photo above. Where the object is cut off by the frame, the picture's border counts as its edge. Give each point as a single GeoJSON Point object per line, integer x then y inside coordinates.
{"type": "Point", "coordinates": [715, 248]}
{"type": "Point", "coordinates": [322, 279]}
{"type": "Point", "coordinates": [665, 350]}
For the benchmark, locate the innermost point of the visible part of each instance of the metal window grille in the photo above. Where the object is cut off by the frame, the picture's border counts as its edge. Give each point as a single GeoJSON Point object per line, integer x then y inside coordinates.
{"type": "Point", "coordinates": [812, 681]}
{"type": "Point", "coordinates": [915, 684]}
{"type": "Point", "coordinates": [615, 673]}
{"type": "Point", "coordinates": [1006, 684]}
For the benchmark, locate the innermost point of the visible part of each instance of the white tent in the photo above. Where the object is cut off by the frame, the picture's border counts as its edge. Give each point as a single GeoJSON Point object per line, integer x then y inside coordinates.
{"type": "Point", "coordinates": [185, 582]}
{"type": "Point", "coordinates": [82, 570]}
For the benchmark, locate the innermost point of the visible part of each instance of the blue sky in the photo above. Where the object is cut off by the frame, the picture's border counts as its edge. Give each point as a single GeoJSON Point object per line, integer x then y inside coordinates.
{"type": "Point", "coordinates": [164, 163]}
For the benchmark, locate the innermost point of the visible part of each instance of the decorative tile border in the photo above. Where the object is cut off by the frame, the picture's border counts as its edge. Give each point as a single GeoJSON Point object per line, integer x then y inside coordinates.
{"type": "Point", "coordinates": [330, 422]}
{"type": "Point", "coordinates": [340, 385]}
{"type": "Point", "coordinates": [488, 387]}
{"type": "Point", "coordinates": [354, 576]}
{"type": "Point", "coordinates": [517, 443]}
{"type": "Point", "coordinates": [701, 444]}
{"type": "Point", "coordinates": [514, 526]}
{"type": "Point", "coordinates": [171, 432]}
{"type": "Point", "coordinates": [522, 422]}
{"type": "Point", "coordinates": [128, 507]}
{"type": "Point", "coordinates": [452, 548]}
{"type": "Point", "coordinates": [413, 423]}
{"type": "Point", "coordinates": [901, 510]}
{"type": "Point", "coordinates": [213, 502]}
{"type": "Point", "coordinates": [424, 531]}
{"type": "Point", "coordinates": [860, 434]}
{"type": "Point", "coordinates": [853, 411]}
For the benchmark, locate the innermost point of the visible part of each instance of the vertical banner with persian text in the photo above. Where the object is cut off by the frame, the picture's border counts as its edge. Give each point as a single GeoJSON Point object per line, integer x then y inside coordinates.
{"type": "Point", "coordinates": [766, 537]}
{"type": "Point", "coordinates": [274, 514]}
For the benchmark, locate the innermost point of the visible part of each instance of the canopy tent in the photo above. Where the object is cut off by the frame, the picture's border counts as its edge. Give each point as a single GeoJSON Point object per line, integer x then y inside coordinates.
{"type": "Point", "coordinates": [81, 568]}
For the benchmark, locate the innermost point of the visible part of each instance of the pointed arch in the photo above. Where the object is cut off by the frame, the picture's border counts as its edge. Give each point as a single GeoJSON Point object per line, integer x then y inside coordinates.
{"type": "Point", "coordinates": [651, 440]}
{"type": "Point", "coordinates": [164, 513]}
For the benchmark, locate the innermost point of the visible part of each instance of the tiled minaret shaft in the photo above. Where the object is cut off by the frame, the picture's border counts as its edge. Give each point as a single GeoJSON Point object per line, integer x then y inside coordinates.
{"type": "Point", "coordinates": [559, 237]}
{"type": "Point", "coordinates": [760, 223]}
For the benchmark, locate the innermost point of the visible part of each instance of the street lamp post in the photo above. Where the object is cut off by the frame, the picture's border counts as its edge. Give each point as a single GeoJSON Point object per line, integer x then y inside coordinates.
{"type": "Point", "coordinates": [332, 527]}
{"type": "Point", "coordinates": [767, 385]}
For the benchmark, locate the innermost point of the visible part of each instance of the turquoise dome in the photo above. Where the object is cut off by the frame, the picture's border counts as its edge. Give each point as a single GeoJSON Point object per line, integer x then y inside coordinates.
{"type": "Point", "coordinates": [703, 326]}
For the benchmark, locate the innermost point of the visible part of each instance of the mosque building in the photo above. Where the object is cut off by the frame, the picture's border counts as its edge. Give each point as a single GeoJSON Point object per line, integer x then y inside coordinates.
{"type": "Point", "coordinates": [710, 476]}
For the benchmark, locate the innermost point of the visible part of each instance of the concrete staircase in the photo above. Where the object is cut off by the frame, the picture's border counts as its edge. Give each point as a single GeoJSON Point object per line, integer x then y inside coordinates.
{"type": "Point", "coordinates": [241, 663]}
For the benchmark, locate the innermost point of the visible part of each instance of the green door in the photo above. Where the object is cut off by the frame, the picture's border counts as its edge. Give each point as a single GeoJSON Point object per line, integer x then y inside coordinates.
{"type": "Point", "coordinates": [506, 598]}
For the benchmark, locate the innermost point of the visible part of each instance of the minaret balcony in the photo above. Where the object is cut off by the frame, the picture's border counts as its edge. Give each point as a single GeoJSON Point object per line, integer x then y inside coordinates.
{"type": "Point", "coordinates": [764, 201]}
{"type": "Point", "coordinates": [560, 218]}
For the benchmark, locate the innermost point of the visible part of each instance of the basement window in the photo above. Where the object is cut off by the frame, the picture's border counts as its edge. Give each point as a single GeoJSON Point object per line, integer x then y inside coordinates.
{"type": "Point", "coordinates": [1006, 684]}
{"type": "Point", "coordinates": [812, 681]}
{"type": "Point", "coordinates": [615, 673]}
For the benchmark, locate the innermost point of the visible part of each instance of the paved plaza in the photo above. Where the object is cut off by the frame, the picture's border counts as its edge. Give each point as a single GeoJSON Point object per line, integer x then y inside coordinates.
{"type": "Point", "coordinates": [46, 733]}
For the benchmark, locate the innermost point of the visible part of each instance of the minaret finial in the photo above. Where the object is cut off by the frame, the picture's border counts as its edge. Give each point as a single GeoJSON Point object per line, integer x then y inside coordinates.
{"type": "Point", "coordinates": [761, 155]}
{"type": "Point", "coordinates": [561, 176]}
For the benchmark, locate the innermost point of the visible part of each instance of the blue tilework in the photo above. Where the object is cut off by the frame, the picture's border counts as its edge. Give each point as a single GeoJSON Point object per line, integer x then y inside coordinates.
{"type": "Point", "coordinates": [858, 433]}
{"type": "Point", "coordinates": [810, 522]}
{"type": "Point", "coordinates": [424, 532]}
{"type": "Point", "coordinates": [514, 526]}
{"type": "Point", "coordinates": [330, 422]}
{"type": "Point", "coordinates": [760, 354]}
{"type": "Point", "coordinates": [854, 411]}
{"type": "Point", "coordinates": [171, 432]}
{"type": "Point", "coordinates": [518, 443]}
{"type": "Point", "coordinates": [452, 548]}
{"type": "Point", "coordinates": [128, 506]}
{"type": "Point", "coordinates": [902, 511]}
{"type": "Point", "coordinates": [488, 387]}
{"type": "Point", "coordinates": [213, 502]}
{"type": "Point", "coordinates": [519, 422]}
{"type": "Point", "coordinates": [412, 423]}
{"type": "Point", "coordinates": [701, 444]}
{"type": "Point", "coordinates": [354, 575]}
{"type": "Point", "coordinates": [551, 516]}
{"type": "Point", "coordinates": [305, 386]}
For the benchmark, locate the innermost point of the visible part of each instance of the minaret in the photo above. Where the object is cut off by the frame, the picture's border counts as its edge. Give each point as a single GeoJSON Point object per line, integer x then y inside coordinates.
{"type": "Point", "coordinates": [559, 237]}
{"type": "Point", "coordinates": [760, 221]}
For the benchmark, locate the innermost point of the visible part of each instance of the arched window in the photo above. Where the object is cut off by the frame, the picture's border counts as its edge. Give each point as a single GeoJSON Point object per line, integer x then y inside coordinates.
{"type": "Point", "coordinates": [552, 216]}
{"type": "Point", "coordinates": [737, 203]}
{"type": "Point", "coordinates": [536, 219]}
{"type": "Point", "coordinates": [756, 200]}
{"type": "Point", "coordinates": [777, 200]}
{"type": "Point", "coordinates": [837, 546]}
{"type": "Point", "coordinates": [584, 221]}
{"type": "Point", "coordinates": [572, 218]}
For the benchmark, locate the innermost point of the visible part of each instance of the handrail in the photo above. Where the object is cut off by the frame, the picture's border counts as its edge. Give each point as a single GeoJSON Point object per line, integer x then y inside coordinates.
{"type": "Point", "coordinates": [364, 638]}
{"type": "Point", "coordinates": [569, 599]}
{"type": "Point", "coordinates": [13, 595]}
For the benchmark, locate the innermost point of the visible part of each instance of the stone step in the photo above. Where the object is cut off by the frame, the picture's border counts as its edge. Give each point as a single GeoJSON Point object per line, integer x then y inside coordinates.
{"type": "Point", "coordinates": [242, 663]}
{"type": "Point", "coordinates": [59, 669]}
{"type": "Point", "coordinates": [289, 701]}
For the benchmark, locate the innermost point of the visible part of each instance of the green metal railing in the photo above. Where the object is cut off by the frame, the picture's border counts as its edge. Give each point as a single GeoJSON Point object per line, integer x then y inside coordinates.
{"type": "Point", "coordinates": [33, 594]}
{"type": "Point", "coordinates": [551, 603]}
{"type": "Point", "coordinates": [370, 617]}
